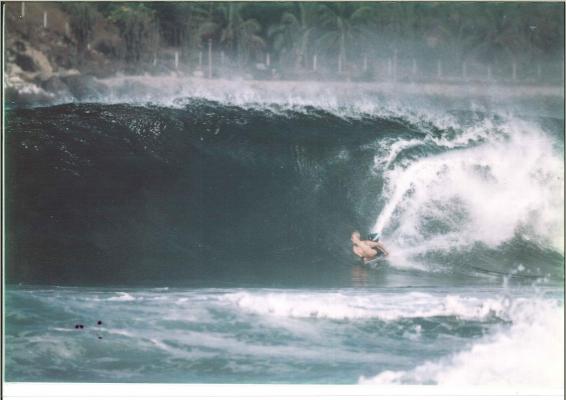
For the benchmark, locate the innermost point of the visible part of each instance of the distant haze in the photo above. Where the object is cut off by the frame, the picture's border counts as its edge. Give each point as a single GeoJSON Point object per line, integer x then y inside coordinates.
{"type": "Point", "coordinates": [447, 41]}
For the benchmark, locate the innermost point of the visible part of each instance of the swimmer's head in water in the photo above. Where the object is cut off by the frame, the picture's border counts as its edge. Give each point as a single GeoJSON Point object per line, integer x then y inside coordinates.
{"type": "Point", "coordinates": [374, 237]}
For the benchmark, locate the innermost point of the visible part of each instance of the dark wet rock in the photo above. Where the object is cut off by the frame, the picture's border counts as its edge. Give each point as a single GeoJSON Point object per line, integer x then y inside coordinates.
{"type": "Point", "coordinates": [25, 62]}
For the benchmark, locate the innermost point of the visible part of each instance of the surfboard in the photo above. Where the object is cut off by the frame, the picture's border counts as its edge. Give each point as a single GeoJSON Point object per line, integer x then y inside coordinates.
{"type": "Point", "coordinates": [375, 263]}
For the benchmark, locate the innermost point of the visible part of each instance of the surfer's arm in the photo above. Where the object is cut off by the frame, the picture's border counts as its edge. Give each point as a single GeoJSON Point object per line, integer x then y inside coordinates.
{"type": "Point", "coordinates": [380, 247]}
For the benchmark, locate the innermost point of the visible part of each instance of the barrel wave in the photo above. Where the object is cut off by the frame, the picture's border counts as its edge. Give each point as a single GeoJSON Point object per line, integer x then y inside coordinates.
{"type": "Point", "coordinates": [206, 239]}
{"type": "Point", "coordinates": [206, 192]}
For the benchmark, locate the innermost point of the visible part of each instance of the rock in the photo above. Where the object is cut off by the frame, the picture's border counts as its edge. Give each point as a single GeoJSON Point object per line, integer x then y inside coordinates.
{"type": "Point", "coordinates": [12, 69]}
{"type": "Point", "coordinates": [20, 92]}
{"type": "Point", "coordinates": [43, 65]}
{"type": "Point", "coordinates": [25, 62]}
{"type": "Point", "coordinates": [32, 60]}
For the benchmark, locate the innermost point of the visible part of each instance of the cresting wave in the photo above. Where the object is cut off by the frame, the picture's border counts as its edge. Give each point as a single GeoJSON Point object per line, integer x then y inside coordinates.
{"type": "Point", "coordinates": [490, 185]}
{"type": "Point", "coordinates": [349, 98]}
{"type": "Point", "coordinates": [453, 192]}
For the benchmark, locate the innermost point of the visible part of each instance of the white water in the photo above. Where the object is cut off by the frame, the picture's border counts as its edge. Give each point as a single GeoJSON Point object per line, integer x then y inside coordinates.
{"type": "Point", "coordinates": [530, 352]}
{"type": "Point", "coordinates": [346, 99]}
{"type": "Point", "coordinates": [489, 183]}
{"type": "Point", "coordinates": [465, 336]}
{"type": "Point", "coordinates": [384, 306]}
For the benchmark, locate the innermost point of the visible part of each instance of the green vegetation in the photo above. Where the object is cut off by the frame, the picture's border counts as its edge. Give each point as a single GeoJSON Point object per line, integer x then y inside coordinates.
{"type": "Point", "coordinates": [83, 18]}
{"type": "Point", "coordinates": [137, 24]}
{"type": "Point", "coordinates": [346, 35]}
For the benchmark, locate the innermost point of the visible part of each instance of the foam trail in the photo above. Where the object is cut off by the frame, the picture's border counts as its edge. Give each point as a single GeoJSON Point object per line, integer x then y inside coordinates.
{"type": "Point", "coordinates": [487, 186]}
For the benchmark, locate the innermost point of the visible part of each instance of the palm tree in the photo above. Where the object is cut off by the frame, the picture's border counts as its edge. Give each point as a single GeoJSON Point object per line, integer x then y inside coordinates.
{"type": "Point", "coordinates": [456, 32]}
{"type": "Point", "coordinates": [82, 22]}
{"type": "Point", "coordinates": [544, 30]}
{"type": "Point", "coordinates": [497, 36]}
{"type": "Point", "coordinates": [345, 26]}
{"type": "Point", "coordinates": [138, 26]}
{"type": "Point", "coordinates": [284, 37]}
{"type": "Point", "coordinates": [292, 36]}
{"type": "Point", "coordinates": [238, 34]}
{"type": "Point", "coordinates": [308, 16]}
{"type": "Point", "coordinates": [181, 24]}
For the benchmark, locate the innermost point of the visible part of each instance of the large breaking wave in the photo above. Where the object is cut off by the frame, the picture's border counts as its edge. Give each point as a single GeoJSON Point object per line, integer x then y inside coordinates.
{"type": "Point", "coordinates": [252, 189]}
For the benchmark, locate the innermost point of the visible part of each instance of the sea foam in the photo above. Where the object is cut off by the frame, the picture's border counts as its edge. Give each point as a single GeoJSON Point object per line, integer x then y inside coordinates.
{"type": "Point", "coordinates": [530, 352]}
{"type": "Point", "coordinates": [381, 306]}
{"type": "Point", "coordinates": [489, 183]}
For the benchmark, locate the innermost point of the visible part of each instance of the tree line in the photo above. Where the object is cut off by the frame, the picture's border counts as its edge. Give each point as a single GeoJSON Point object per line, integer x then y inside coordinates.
{"type": "Point", "coordinates": [294, 34]}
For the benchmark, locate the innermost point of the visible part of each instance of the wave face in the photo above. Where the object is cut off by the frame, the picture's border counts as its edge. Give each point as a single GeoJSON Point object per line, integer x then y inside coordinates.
{"type": "Point", "coordinates": [199, 191]}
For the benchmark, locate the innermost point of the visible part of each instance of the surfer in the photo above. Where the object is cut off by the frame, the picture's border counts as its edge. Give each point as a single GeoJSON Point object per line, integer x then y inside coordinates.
{"type": "Point", "coordinates": [368, 249]}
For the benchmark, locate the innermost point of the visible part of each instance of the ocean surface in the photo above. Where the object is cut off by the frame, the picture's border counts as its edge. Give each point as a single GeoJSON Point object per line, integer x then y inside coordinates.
{"type": "Point", "coordinates": [203, 236]}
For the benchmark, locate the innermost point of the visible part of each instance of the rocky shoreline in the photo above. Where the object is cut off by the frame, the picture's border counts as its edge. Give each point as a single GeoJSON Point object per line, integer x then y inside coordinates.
{"type": "Point", "coordinates": [31, 78]}
{"type": "Point", "coordinates": [47, 61]}
{"type": "Point", "coordinates": [44, 67]}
